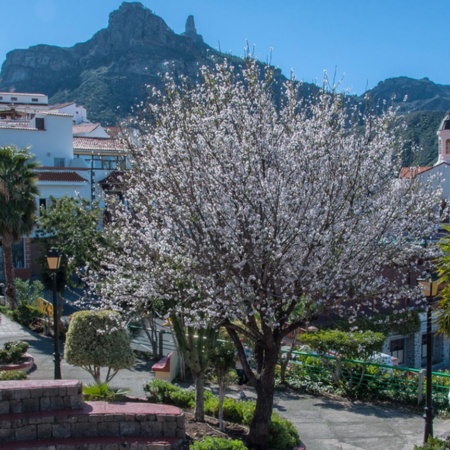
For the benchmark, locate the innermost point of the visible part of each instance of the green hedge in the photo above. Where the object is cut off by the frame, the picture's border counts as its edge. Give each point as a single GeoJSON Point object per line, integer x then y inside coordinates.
{"type": "Point", "coordinates": [214, 443]}
{"type": "Point", "coordinates": [10, 375]}
{"type": "Point", "coordinates": [13, 351]}
{"type": "Point", "coordinates": [282, 434]}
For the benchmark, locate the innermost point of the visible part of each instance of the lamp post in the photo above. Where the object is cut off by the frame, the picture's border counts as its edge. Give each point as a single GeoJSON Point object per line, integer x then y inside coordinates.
{"type": "Point", "coordinates": [429, 290]}
{"type": "Point", "coordinates": [53, 262]}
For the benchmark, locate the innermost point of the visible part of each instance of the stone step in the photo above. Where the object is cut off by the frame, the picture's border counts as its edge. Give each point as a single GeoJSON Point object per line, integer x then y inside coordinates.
{"type": "Point", "coordinates": [95, 419]}
{"type": "Point", "coordinates": [39, 395]}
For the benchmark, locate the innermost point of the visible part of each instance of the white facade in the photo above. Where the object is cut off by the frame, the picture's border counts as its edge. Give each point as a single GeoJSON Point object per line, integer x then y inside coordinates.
{"type": "Point", "coordinates": [444, 140]}
{"type": "Point", "coordinates": [74, 154]}
{"type": "Point", "coordinates": [78, 112]}
{"type": "Point", "coordinates": [47, 134]}
{"type": "Point", "coordinates": [22, 101]}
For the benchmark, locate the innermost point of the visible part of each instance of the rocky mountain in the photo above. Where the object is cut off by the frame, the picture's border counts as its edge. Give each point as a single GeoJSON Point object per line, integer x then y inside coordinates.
{"type": "Point", "coordinates": [108, 74]}
{"type": "Point", "coordinates": [112, 68]}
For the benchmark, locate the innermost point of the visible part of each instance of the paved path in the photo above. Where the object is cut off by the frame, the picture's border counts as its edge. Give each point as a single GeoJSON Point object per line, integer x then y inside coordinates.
{"type": "Point", "coordinates": [323, 423]}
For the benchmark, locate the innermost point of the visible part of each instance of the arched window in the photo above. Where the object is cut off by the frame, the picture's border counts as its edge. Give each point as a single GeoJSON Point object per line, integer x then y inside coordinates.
{"type": "Point", "coordinates": [447, 147]}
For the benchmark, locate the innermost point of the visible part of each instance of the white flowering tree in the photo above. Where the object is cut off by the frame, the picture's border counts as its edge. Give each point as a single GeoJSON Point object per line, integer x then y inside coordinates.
{"type": "Point", "coordinates": [255, 200]}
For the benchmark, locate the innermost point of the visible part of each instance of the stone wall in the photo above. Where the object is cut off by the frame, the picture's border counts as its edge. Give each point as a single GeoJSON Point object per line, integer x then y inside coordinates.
{"type": "Point", "coordinates": [33, 412]}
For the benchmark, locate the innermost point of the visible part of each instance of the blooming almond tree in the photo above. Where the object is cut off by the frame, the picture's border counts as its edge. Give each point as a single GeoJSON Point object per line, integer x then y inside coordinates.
{"type": "Point", "coordinates": [257, 200]}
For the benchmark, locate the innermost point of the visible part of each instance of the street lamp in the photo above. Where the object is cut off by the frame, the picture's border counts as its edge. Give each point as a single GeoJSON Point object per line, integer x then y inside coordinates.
{"type": "Point", "coordinates": [429, 289]}
{"type": "Point", "coordinates": [53, 262]}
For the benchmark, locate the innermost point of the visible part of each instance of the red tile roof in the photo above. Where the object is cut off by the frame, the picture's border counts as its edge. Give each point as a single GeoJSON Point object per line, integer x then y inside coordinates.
{"type": "Point", "coordinates": [85, 128]}
{"type": "Point", "coordinates": [412, 172]}
{"type": "Point", "coordinates": [89, 144]}
{"type": "Point", "coordinates": [61, 176]}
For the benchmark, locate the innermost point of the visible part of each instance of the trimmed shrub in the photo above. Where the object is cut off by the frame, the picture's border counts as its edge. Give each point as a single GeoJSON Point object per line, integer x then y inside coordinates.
{"type": "Point", "coordinates": [13, 351]}
{"type": "Point", "coordinates": [9, 375]}
{"type": "Point", "coordinates": [98, 339]}
{"type": "Point", "coordinates": [160, 391]}
{"type": "Point", "coordinates": [282, 434]}
{"type": "Point", "coordinates": [26, 314]}
{"type": "Point", "coordinates": [215, 443]}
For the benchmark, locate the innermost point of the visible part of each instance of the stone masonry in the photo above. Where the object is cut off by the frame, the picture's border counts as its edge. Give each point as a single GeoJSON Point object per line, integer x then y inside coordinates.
{"type": "Point", "coordinates": [34, 414]}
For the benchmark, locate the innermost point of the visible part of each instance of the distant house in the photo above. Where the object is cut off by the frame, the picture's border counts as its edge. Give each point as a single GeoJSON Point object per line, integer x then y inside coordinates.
{"type": "Point", "coordinates": [412, 348]}
{"type": "Point", "coordinates": [74, 153]}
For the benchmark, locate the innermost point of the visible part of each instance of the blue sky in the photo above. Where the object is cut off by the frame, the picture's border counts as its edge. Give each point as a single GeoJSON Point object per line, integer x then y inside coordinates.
{"type": "Point", "coordinates": [363, 41]}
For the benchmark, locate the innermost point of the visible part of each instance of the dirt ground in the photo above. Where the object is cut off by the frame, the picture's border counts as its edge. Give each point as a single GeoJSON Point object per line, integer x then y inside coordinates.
{"type": "Point", "coordinates": [196, 431]}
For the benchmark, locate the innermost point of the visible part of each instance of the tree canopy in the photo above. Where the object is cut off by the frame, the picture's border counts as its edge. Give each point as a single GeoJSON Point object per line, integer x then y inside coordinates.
{"type": "Point", "coordinates": [240, 204]}
{"type": "Point", "coordinates": [18, 190]}
{"type": "Point", "coordinates": [97, 339]}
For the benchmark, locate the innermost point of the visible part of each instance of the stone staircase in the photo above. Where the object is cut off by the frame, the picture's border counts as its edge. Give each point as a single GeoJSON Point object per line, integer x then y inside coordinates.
{"type": "Point", "coordinates": [44, 414]}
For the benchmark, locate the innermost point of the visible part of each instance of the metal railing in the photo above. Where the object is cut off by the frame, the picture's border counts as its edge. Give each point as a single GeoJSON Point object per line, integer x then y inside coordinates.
{"type": "Point", "coordinates": [372, 379]}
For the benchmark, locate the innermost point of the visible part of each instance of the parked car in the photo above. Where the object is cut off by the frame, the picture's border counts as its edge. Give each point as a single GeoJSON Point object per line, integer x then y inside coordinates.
{"type": "Point", "coordinates": [383, 358]}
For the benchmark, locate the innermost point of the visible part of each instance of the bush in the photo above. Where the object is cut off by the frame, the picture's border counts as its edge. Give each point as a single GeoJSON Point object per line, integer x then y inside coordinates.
{"type": "Point", "coordinates": [13, 351]}
{"type": "Point", "coordinates": [26, 314]}
{"type": "Point", "coordinates": [9, 375]}
{"type": "Point", "coordinates": [97, 339]}
{"type": "Point", "coordinates": [435, 444]}
{"type": "Point", "coordinates": [160, 391]}
{"type": "Point", "coordinates": [282, 434]}
{"type": "Point", "coordinates": [214, 443]}
{"type": "Point", "coordinates": [101, 391]}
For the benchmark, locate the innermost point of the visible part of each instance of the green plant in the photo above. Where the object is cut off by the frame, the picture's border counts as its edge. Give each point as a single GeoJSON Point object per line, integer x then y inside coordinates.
{"type": "Point", "coordinates": [13, 351]}
{"type": "Point", "coordinates": [27, 292]}
{"type": "Point", "coordinates": [434, 443]}
{"type": "Point", "coordinates": [282, 434]}
{"type": "Point", "coordinates": [160, 391]}
{"type": "Point", "coordinates": [101, 391]}
{"type": "Point", "coordinates": [215, 443]}
{"type": "Point", "coordinates": [97, 339]}
{"type": "Point", "coordinates": [9, 375]}
{"type": "Point", "coordinates": [26, 314]}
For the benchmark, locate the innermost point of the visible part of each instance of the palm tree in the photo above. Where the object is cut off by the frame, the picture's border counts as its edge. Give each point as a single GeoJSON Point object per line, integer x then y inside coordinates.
{"type": "Point", "coordinates": [18, 189]}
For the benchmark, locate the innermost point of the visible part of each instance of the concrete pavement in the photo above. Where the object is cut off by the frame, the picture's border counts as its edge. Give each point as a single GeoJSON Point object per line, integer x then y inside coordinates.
{"type": "Point", "coordinates": [323, 423]}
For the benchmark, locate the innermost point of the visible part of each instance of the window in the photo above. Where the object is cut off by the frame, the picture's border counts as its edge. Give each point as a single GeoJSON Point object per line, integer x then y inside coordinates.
{"type": "Point", "coordinates": [59, 162]}
{"type": "Point", "coordinates": [98, 162]}
{"type": "Point", "coordinates": [34, 99]}
{"type": "Point", "coordinates": [14, 99]}
{"type": "Point", "coordinates": [40, 124]}
{"type": "Point", "coordinates": [18, 252]}
{"type": "Point", "coordinates": [447, 147]}
{"type": "Point", "coordinates": [42, 205]}
{"type": "Point", "coordinates": [398, 349]}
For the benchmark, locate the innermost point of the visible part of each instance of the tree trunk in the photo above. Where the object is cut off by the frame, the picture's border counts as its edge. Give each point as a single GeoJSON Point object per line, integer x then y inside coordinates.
{"type": "Point", "coordinates": [222, 387]}
{"type": "Point", "coordinates": [199, 412]}
{"type": "Point", "coordinates": [285, 361]}
{"type": "Point", "coordinates": [151, 332]}
{"type": "Point", "coordinates": [10, 287]}
{"type": "Point", "coordinates": [265, 388]}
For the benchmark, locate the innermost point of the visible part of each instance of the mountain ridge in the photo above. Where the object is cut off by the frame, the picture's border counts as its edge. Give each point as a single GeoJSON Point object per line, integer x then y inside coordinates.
{"type": "Point", "coordinates": [109, 72]}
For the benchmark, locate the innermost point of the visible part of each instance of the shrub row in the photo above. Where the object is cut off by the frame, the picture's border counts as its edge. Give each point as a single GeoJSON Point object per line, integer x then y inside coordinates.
{"type": "Point", "coordinates": [13, 351]}
{"type": "Point", "coordinates": [282, 434]}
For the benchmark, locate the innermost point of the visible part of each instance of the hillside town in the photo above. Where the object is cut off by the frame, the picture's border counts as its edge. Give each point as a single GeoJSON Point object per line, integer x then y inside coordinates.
{"type": "Point", "coordinates": [197, 252]}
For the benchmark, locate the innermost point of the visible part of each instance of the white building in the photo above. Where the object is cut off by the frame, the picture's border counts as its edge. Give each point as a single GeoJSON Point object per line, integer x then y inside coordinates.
{"type": "Point", "coordinates": [74, 154]}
